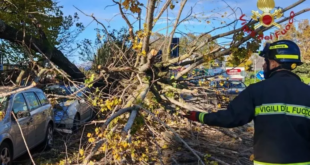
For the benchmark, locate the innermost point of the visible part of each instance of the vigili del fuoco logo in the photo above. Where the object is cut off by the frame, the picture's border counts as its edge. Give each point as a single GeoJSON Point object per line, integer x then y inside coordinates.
{"type": "Point", "coordinates": [267, 19]}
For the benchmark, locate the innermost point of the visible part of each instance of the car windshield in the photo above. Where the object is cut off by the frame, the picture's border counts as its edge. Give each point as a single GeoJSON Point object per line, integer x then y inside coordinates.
{"type": "Point", "coordinates": [220, 84]}
{"type": "Point", "coordinates": [60, 90]}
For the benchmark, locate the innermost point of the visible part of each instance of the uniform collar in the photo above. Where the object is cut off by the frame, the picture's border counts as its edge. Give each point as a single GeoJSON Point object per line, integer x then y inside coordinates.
{"type": "Point", "coordinates": [284, 73]}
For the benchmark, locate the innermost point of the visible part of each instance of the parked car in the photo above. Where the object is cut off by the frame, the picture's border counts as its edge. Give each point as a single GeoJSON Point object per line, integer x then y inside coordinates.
{"type": "Point", "coordinates": [228, 86]}
{"type": "Point", "coordinates": [35, 117]}
{"type": "Point", "coordinates": [69, 113]}
{"type": "Point", "coordinates": [228, 90]}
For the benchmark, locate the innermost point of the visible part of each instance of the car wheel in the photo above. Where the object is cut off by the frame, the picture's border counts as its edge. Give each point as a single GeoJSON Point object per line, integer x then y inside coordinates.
{"type": "Point", "coordinates": [76, 123]}
{"type": "Point", "coordinates": [6, 154]}
{"type": "Point", "coordinates": [49, 137]}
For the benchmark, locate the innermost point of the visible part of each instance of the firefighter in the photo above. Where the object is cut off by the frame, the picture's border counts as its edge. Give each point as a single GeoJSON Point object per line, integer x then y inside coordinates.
{"type": "Point", "coordinates": [279, 107]}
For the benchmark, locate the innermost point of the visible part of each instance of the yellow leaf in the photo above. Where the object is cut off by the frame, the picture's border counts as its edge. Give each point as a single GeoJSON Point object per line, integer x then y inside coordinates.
{"type": "Point", "coordinates": [126, 4]}
{"type": "Point", "coordinates": [109, 107]}
{"type": "Point", "coordinates": [89, 135]}
{"type": "Point", "coordinates": [97, 130]}
{"type": "Point", "coordinates": [164, 146]}
{"type": "Point", "coordinates": [252, 157]}
{"type": "Point", "coordinates": [143, 52]}
{"type": "Point", "coordinates": [81, 152]}
{"type": "Point", "coordinates": [214, 162]}
{"type": "Point", "coordinates": [91, 140]}
{"type": "Point", "coordinates": [94, 102]}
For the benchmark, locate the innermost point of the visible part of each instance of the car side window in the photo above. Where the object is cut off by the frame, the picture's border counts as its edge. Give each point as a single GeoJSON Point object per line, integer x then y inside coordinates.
{"type": "Point", "coordinates": [42, 98]}
{"type": "Point", "coordinates": [32, 99]}
{"type": "Point", "coordinates": [20, 108]}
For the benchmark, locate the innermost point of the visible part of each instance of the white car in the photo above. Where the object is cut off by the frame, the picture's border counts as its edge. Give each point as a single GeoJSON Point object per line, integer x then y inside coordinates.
{"type": "Point", "coordinates": [69, 113]}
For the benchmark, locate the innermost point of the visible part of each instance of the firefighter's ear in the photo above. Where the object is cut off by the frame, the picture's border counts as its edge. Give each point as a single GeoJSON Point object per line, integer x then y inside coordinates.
{"type": "Point", "coordinates": [273, 64]}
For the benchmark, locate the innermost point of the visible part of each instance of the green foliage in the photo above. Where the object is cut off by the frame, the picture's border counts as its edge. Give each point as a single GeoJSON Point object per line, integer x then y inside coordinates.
{"type": "Point", "coordinates": [90, 80]}
{"type": "Point", "coordinates": [303, 70]}
{"type": "Point", "coordinates": [39, 19]}
{"type": "Point", "coordinates": [106, 47]}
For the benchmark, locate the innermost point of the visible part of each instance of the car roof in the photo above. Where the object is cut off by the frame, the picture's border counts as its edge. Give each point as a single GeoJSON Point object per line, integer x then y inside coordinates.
{"type": "Point", "coordinates": [5, 89]}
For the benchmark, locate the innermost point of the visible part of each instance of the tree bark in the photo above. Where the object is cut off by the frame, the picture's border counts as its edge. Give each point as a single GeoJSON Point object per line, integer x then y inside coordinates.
{"type": "Point", "coordinates": [56, 56]}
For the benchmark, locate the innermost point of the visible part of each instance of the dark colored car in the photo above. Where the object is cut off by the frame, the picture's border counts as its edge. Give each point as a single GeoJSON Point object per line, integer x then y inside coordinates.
{"type": "Point", "coordinates": [227, 90]}
{"type": "Point", "coordinates": [228, 86]}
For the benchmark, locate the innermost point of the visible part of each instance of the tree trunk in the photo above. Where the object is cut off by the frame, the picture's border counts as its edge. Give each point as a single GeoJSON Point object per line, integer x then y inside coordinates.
{"type": "Point", "coordinates": [56, 56]}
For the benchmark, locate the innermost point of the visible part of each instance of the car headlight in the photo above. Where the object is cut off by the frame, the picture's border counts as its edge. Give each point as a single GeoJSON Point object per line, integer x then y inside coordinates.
{"type": "Point", "coordinates": [60, 113]}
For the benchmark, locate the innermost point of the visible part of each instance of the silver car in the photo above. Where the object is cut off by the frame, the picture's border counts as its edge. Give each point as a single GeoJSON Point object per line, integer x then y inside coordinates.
{"type": "Point", "coordinates": [69, 111]}
{"type": "Point", "coordinates": [35, 117]}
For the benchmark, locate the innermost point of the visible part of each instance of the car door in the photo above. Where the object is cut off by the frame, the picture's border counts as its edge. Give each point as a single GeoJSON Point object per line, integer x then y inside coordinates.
{"type": "Point", "coordinates": [45, 112]}
{"type": "Point", "coordinates": [35, 111]}
{"type": "Point", "coordinates": [24, 119]}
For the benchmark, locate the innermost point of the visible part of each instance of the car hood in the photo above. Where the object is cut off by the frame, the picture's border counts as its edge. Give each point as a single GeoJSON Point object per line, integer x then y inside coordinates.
{"type": "Point", "coordinates": [232, 90]}
{"type": "Point", "coordinates": [64, 105]}
{"type": "Point", "coordinates": [235, 90]}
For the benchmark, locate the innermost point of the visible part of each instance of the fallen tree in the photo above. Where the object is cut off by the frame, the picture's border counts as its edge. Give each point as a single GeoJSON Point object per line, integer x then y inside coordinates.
{"type": "Point", "coordinates": [136, 117]}
{"type": "Point", "coordinates": [139, 119]}
{"type": "Point", "coordinates": [13, 35]}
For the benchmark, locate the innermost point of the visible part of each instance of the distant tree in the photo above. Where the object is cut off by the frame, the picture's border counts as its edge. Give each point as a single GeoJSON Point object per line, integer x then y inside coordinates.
{"type": "Point", "coordinates": [301, 35]}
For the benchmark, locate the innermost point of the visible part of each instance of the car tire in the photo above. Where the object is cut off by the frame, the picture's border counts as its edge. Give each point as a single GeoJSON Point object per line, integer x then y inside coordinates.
{"type": "Point", "coordinates": [6, 154]}
{"type": "Point", "coordinates": [76, 123]}
{"type": "Point", "coordinates": [49, 137]}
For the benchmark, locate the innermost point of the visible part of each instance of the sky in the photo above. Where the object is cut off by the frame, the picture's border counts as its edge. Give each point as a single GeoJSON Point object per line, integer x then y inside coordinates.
{"type": "Point", "coordinates": [205, 16]}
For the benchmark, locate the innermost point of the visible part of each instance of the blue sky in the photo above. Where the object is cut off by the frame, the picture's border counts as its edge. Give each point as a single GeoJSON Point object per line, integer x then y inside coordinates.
{"type": "Point", "coordinates": [214, 11]}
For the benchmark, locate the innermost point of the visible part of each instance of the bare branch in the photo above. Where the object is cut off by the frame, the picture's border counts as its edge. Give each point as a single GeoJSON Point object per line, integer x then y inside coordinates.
{"type": "Point", "coordinates": [127, 21]}
{"type": "Point", "coordinates": [254, 22]}
{"type": "Point", "coordinates": [175, 25]}
{"type": "Point", "coordinates": [118, 113]}
{"type": "Point", "coordinates": [18, 90]}
{"type": "Point", "coordinates": [180, 74]}
{"type": "Point", "coordinates": [163, 9]}
{"type": "Point", "coordinates": [168, 87]}
{"type": "Point", "coordinates": [177, 135]}
{"type": "Point", "coordinates": [130, 121]}
{"type": "Point", "coordinates": [149, 27]}
{"type": "Point", "coordinates": [183, 105]}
